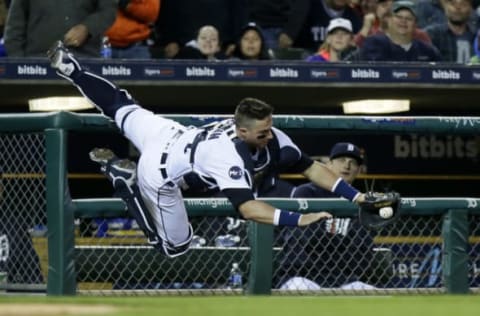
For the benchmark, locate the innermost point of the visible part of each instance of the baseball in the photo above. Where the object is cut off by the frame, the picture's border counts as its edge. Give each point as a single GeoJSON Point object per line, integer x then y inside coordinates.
{"type": "Point", "coordinates": [386, 212]}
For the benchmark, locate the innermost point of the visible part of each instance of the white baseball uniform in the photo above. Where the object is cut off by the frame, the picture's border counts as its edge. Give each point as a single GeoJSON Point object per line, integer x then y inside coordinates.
{"type": "Point", "coordinates": [165, 148]}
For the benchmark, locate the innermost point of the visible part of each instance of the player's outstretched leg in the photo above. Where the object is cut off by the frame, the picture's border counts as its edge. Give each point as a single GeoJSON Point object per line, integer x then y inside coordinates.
{"type": "Point", "coordinates": [122, 173]}
{"type": "Point", "coordinates": [107, 97]}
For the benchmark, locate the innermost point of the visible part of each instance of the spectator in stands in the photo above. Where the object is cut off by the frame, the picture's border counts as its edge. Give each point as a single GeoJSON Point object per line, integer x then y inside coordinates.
{"type": "Point", "coordinates": [429, 12]}
{"type": "Point", "coordinates": [129, 33]}
{"type": "Point", "coordinates": [280, 20]}
{"type": "Point", "coordinates": [321, 12]}
{"type": "Point", "coordinates": [338, 43]}
{"type": "Point", "coordinates": [377, 22]}
{"type": "Point", "coordinates": [32, 26]}
{"type": "Point", "coordinates": [454, 38]}
{"type": "Point", "coordinates": [180, 20]}
{"type": "Point", "coordinates": [336, 252]}
{"type": "Point", "coordinates": [205, 46]}
{"type": "Point", "coordinates": [364, 7]}
{"type": "Point", "coordinates": [398, 44]}
{"type": "Point", "coordinates": [251, 44]}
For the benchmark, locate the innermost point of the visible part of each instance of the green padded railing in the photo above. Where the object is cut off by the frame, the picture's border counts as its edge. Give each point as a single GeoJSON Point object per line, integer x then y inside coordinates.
{"type": "Point", "coordinates": [61, 211]}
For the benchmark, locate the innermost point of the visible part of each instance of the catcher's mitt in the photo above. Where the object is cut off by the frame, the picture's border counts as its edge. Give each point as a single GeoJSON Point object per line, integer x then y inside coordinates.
{"type": "Point", "coordinates": [370, 211]}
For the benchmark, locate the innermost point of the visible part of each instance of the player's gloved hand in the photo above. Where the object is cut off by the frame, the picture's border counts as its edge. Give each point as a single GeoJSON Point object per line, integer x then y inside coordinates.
{"type": "Point", "coordinates": [378, 210]}
{"type": "Point", "coordinates": [309, 218]}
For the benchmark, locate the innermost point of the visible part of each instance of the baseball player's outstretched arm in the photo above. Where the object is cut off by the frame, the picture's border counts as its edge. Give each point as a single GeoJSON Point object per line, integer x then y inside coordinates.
{"type": "Point", "coordinates": [323, 177]}
{"type": "Point", "coordinates": [262, 212]}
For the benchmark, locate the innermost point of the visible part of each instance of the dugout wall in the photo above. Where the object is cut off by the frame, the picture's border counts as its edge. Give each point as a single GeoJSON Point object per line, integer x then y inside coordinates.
{"type": "Point", "coordinates": [439, 235]}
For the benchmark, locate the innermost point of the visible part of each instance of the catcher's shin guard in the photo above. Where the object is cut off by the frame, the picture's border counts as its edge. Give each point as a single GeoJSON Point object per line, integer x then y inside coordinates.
{"type": "Point", "coordinates": [122, 173]}
{"type": "Point", "coordinates": [130, 194]}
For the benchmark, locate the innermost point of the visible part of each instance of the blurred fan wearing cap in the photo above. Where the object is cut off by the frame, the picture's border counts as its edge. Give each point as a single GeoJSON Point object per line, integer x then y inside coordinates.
{"type": "Point", "coordinates": [377, 22]}
{"type": "Point", "coordinates": [398, 43]}
{"type": "Point", "coordinates": [337, 44]}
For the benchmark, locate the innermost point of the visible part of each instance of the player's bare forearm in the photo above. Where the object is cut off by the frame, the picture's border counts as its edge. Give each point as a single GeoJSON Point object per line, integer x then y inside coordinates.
{"type": "Point", "coordinates": [322, 176]}
{"type": "Point", "coordinates": [257, 211]}
{"type": "Point", "coordinates": [309, 218]}
{"type": "Point", "coordinates": [319, 174]}
{"type": "Point", "coordinates": [262, 212]}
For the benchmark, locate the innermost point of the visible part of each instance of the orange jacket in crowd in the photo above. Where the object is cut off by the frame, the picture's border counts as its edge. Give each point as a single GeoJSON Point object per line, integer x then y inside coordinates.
{"type": "Point", "coordinates": [132, 25]}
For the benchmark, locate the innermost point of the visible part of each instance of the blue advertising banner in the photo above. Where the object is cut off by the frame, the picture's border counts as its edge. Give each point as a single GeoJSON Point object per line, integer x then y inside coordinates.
{"type": "Point", "coordinates": [294, 72]}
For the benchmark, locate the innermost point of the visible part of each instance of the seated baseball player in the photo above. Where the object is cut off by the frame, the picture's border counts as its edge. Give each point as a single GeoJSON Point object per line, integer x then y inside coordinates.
{"type": "Point", "coordinates": [174, 157]}
{"type": "Point", "coordinates": [336, 252]}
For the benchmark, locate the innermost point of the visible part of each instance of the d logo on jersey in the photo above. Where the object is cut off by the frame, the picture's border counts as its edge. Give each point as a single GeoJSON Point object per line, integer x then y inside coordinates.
{"type": "Point", "coordinates": [235, 172]}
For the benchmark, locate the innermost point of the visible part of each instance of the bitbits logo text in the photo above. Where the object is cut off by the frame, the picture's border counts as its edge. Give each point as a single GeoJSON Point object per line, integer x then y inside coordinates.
{"type": "Point", "coordinates": [432, 146]}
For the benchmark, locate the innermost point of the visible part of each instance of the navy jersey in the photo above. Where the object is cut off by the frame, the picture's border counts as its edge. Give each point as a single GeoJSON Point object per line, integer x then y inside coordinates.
{"type": "Point", "coordinates": [310, 190]}
{"type": "Point", "coordinates": [340, 249]}
{"type": "Point", "coordinates": [379, 47]}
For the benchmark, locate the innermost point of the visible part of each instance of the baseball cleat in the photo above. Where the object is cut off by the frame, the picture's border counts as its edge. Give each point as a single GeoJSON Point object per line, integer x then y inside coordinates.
{"type": "Point", "coordinates": [114, 168]}
{"type": "Point", "coordinates": [62, 60]}
{"type": "Point", "coordinates": [102, 155]}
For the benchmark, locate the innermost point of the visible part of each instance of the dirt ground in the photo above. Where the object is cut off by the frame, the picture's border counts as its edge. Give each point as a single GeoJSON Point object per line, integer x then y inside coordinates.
{"type": "Point", "coordinates": [54, 309]}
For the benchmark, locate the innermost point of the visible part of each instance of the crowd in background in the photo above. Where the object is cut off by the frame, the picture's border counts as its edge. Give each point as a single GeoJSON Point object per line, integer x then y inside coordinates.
{"type": "Point", "coordinates": [312, 30]}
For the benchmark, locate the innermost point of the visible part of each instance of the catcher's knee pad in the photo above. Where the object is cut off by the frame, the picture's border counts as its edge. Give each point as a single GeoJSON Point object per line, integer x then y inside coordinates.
{"type": "Point", "coordinates": [172, 251]}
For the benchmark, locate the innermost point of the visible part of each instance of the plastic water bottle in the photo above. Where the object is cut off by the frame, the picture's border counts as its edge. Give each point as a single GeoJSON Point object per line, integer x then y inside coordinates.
{"type": "Point", "coordinates": [235, 280]}
{"type": "Point", "coordinates": [106, 50]}
{"type": "Point", "coordinates": [227, 240]}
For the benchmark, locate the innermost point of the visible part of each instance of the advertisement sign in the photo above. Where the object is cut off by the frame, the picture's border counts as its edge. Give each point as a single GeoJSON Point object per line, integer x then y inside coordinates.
{"type": "Point", "coordinates": [420, 266]}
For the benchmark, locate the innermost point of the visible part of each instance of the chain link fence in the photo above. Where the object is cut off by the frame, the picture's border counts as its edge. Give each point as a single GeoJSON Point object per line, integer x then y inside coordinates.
{"type": "Point", "coordinates": [340, 254]}
{"type": "Point", "coordinates": [111, 254]}
{"type": "Point", "coordinates": [22, 210]}
{"type": "Point", "coordinates": [335, 256]}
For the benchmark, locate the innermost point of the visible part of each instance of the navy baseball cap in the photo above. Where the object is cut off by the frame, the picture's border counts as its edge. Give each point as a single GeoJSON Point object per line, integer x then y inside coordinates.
{"type": "Point", "coordinates": [347, 149]}
{"type": "Point", "coordinates": [404, 4]}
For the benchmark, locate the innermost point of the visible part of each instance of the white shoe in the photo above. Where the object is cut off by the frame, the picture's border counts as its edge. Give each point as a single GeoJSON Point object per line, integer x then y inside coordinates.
{"type": "Point", "coordinates": [62, 60]}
